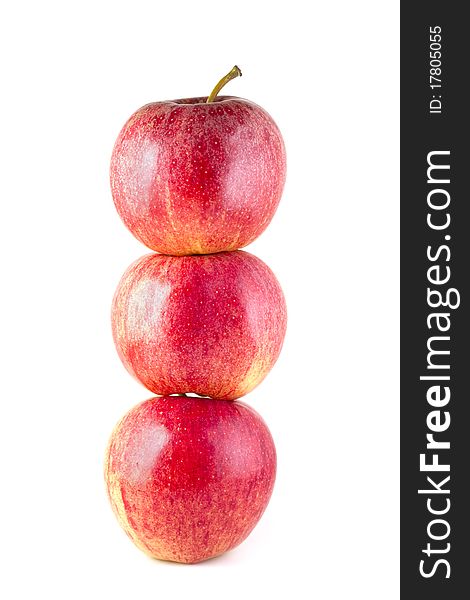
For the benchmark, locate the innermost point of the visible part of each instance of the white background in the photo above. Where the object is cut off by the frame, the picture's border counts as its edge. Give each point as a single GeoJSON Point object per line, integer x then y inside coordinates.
{"type": "Point", "coordinates": [71, 74]}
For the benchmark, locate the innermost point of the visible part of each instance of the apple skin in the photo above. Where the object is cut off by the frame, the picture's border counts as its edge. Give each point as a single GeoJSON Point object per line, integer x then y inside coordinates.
{"type": "Point", "coordinates": [189, 177]}
{"type": "Point", "coordinates": [211, 324]}
{"type": "Point", "coordinates": [189, 478]}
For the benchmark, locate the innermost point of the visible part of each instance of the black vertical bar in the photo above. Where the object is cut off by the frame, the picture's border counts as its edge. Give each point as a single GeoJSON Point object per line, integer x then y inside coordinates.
{"type": "Point", "coordinates": [423, 132]}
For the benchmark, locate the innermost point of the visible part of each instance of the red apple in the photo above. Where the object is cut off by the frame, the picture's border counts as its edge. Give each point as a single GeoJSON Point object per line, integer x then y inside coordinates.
{"type": "Point", "coordinates": [195, 177]}
{"type": "Point", "coordinates": [208, 324]}
{"type": "Point", "coordinates": [189, 478]}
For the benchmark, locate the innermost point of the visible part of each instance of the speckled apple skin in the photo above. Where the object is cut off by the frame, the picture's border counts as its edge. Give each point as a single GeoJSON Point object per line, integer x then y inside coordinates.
{"type": "Point", "coordinates": [194, 178]}
{"type": "Point", "coordinates": [189, 478]}
{"type": "Point", "coordinates": [212, 324]}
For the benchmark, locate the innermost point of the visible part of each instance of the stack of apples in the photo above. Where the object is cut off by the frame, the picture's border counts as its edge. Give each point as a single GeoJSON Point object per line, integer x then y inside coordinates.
{"type": "Point", "coordinates": [198, 322]}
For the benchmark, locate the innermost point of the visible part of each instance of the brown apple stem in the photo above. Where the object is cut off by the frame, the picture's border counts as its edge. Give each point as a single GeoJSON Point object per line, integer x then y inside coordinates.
{"type": "Point", "coordinates": [235, 72]}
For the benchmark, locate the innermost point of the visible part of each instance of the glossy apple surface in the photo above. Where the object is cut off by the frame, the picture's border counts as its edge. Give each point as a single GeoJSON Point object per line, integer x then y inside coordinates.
{"type": "Point", "coordinates": [212, 325]}
{"type": "Point", "coordinates": [189, 177]}
{"type": "Point", "coordinates": [189, 478]}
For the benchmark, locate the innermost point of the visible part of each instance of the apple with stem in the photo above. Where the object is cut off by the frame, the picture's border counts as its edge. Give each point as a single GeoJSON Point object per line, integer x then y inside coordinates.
{"type": "Point", "coordinates": [198, 175]}
{"type": "Point", "coordinates": [211, 324]}
{"type": "Point", "coordinates": [189, 478]}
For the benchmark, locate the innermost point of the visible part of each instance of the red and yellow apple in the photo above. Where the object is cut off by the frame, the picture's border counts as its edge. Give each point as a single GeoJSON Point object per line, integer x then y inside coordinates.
{"type": "Point", "coordinates": [212, 325]}
{"type": "Point", "coordinates": [189, 478]}
{"type": "Point", "coordinates": [198, 175]}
